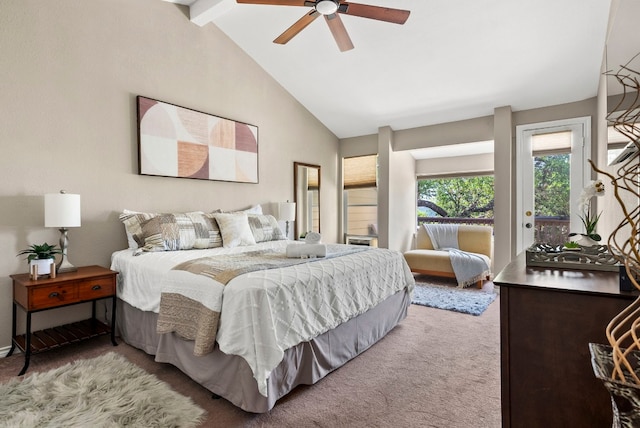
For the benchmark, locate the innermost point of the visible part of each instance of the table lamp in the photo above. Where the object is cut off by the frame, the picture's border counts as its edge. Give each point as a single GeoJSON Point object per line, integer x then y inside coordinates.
{"type": "Point", "coordinates": [62, 210]}
{"type": "Point", "coordinates": [287, 213]}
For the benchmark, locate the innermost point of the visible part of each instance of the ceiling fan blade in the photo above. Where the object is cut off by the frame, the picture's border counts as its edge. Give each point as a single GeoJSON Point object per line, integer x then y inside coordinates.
{"type": "Point", "coordinates": [339, 32]}
{"type": "Point", "coordinates": [274, 2]}
{"type": "Point", "coordinates": [298, 26]}
{"type": "Point", "coordinates": [396, 16]}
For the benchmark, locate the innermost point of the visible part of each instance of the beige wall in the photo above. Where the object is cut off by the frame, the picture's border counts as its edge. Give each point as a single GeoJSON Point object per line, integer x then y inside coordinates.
{"type": "Point", "coordinates": [504, 189]}
{"type": "Point", "coordinates": [444, 134]}
{"type": "Point", "coordinates": [401, 203]}
{"type": "Point", "coordinates": [482, 163]}
{"type": "Point", "coordinates": [70, 71]}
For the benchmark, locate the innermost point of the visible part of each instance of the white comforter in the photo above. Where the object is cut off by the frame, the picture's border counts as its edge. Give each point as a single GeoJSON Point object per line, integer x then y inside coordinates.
{"type": "Point", "coordinates": [264, 313]}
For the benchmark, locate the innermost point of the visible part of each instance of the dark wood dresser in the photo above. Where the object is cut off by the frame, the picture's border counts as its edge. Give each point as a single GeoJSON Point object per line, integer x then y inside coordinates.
{"type": "Point", "coordinates": [547, 319]}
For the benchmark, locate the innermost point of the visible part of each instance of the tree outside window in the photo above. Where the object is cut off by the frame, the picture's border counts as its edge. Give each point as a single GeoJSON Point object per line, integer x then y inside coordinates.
{"type": "Point", "coordinates": [457, 197]}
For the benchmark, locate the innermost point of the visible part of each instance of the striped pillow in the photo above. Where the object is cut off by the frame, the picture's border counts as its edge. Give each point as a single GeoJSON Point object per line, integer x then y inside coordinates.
{"type": "Point", "coordinates": [132, 221]}
{"type": "Point", "coordinates": [265, 228]}
{"type": "Point", "coordinates": [173, 231]}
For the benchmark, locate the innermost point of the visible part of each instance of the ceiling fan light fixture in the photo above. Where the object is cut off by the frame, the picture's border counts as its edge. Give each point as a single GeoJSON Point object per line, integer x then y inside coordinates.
{"type": "Point", "coordinates": [327, 7]}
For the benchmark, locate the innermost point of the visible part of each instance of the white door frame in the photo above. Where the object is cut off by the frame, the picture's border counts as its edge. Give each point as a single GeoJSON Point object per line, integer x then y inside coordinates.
{"type": "Point", "coordinates": [580, 172]}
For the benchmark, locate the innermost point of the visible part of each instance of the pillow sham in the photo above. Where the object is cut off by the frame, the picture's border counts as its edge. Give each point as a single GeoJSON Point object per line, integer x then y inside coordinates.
{"type": "Point", "coordinates": [172, 231]}
{"type": "Point", "coordinates": [235, 229]}
{"type": "Point", "coordinates": [180, 231]}
{"type": "Point", "coordinates": [265, 228]}
{"type": "Point", "coordinates": [132, 221]}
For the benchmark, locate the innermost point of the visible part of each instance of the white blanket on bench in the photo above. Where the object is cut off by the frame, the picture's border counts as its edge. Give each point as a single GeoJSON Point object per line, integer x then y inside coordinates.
{"type": "Point", "coordinates": [468, 268]}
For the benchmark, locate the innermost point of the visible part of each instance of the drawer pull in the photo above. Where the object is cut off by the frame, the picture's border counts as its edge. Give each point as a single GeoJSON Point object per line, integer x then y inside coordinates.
{"type": "Point", "coordinates": [54, 295]}
{"type": "Point", "coordinates": [96, 287]}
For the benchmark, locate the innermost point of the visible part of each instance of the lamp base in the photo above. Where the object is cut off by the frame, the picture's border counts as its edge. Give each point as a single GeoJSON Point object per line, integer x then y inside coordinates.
{"type": "Point", "coordinates": [64, 265]}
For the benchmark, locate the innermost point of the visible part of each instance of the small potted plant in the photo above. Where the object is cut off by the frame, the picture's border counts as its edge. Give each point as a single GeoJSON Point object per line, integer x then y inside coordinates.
{"type": "Point", "coordinates": [42, 256]}
{"type": "Point", "coordinates": [571, 246]}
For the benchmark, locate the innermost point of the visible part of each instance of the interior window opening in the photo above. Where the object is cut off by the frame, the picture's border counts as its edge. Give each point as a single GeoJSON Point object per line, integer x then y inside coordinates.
{"type": "Point", "coordinates": [360, 197]}
{"type": "Point", "coordinates": [459, 199]}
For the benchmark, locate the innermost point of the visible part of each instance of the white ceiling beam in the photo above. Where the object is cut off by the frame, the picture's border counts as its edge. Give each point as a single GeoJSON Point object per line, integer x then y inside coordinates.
{"type": "Point", "coordinates": [202, 12]}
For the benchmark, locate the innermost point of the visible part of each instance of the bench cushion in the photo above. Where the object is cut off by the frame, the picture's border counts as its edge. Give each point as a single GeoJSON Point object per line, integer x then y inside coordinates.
{"type": "Point", "coordinates": [471, 238]}
{"type": "Point", "coordinates": [433, 260]}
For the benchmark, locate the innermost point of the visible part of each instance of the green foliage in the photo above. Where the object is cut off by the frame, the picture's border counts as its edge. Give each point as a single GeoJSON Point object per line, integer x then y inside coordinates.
{"type": "Point", "coordinates": [571, 244]}
{"type": "Point", "coordinates": [466, 197]}
{"type": "Point", "coordinates": [552, 184]}
{"type": "Point", "coordinates": [473, 197]}
{"type": "Point", "coordinates": [43, 251]}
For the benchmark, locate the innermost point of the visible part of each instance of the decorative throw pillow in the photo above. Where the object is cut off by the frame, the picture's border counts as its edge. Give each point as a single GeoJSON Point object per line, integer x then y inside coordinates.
{"type": "Point", "coordinates": [132, 221]}
{"type": "Point", "coordinates": [179, 231]}
{"type": "Point", "coordinates": [265, 228]}
{"type": "Point", "coordinates": [235, 230]}
{"type": "Point", "coordinates": [162, 233]}
{"type": "Point", "coordinates": [207, 231]}
{"type": "Point", "coordinates": [195, 229]}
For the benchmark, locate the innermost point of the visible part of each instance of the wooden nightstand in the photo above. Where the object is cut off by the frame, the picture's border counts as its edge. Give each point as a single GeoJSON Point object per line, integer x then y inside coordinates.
{"type": "Point", "coordinates": [87, 284]}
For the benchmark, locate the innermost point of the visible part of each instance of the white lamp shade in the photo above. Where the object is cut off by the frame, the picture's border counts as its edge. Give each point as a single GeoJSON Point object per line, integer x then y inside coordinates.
{"type": "Point", "coordinates": [287, 211]}
{"type": "Point", "coordinates": [61, 210]}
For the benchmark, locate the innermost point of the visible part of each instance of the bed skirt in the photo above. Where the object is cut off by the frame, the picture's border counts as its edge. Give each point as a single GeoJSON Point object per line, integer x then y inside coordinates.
{"type": "Point", "coordinates": [230, 377]}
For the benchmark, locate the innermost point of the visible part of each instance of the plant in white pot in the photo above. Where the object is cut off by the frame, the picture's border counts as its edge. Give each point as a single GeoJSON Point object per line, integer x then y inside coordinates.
{"type": "Point", "coordinates": [42, 256]}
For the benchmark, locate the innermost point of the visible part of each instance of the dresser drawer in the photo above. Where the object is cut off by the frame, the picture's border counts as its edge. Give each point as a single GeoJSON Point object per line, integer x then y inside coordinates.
{"type": "Point", "coordinates": [52, 296]}
{"type": "Point", "coordinates": [90, 289]}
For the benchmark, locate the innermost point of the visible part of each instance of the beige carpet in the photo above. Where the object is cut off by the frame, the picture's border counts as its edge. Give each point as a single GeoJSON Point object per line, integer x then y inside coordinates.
{"type": "Point", "coordinates": [436, 369]}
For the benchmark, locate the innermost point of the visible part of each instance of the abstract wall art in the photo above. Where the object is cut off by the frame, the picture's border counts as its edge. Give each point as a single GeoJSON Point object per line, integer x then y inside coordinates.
{"type": "Point", "coordinates": [175, 141]}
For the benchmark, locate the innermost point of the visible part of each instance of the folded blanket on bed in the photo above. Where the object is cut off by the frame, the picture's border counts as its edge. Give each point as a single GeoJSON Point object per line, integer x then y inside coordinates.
{"type": "Point", "coordinates": [306, 250]}
{"type": "Point", "coordinates": [468, 268]}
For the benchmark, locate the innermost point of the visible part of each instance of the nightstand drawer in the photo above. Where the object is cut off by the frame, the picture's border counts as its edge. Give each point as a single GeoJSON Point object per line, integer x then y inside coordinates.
{"type": "Point", "coordinates": [95, 288]}
{"type": "Point", "coordinates": [52, 296]}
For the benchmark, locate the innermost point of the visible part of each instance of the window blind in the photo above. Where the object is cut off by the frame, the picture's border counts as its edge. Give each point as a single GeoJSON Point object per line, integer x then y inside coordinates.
{"type": "Point", "coordinates": [313, 181]}
{"type": "Point", "coordinates": [551, 143]}
{"type": "Point", "coordinates": [360, 172]}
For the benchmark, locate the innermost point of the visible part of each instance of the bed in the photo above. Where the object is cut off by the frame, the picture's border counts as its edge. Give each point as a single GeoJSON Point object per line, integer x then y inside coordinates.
{"type": "Point", "coordinates": [275, 323]}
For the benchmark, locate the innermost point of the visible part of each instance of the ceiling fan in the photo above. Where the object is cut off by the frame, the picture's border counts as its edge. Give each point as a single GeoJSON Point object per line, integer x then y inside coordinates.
{"type": "Point", "coordinates": [330, 10]}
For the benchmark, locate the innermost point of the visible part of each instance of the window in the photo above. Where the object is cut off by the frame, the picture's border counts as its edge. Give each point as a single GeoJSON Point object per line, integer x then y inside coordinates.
{"type": "Point", "coordinates": [360, 195]}
{"type": "Point", "coordinates": [616, 143]}
{"type": "Point", "coordinates": [460, 199]}
{"type": "Point", "coordinates": [552, 183]}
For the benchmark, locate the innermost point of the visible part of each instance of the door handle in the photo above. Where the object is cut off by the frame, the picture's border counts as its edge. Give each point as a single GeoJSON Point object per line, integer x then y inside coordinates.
{"type": "Point", "coordinates": [528, 225]}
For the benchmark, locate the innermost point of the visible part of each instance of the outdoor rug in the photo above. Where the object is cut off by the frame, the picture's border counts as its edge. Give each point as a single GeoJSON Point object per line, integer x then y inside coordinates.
{"type": "Point", "coordinates": [107, 391]}
{"type": "Point", "coordinates": [471, 301]}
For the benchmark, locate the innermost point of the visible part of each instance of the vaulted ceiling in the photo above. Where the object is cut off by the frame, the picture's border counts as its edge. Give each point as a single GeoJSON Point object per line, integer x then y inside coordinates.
{"type": "Point", "coordinates": [449, 61]}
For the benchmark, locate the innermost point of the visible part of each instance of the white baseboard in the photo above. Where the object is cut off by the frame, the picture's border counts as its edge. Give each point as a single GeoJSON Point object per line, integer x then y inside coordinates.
{"type": "Point", "coordinates": [4, 351]}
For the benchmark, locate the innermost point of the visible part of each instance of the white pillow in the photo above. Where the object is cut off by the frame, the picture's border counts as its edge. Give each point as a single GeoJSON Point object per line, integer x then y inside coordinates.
{"type": "Point", "coordinates": [256, 209]}
{"type": "Point", "coordinates": [235, 229]}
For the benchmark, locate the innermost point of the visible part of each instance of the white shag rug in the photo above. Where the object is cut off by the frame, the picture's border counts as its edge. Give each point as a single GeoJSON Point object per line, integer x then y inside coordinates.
{"type": "Point", "coordinates": [107, 391]}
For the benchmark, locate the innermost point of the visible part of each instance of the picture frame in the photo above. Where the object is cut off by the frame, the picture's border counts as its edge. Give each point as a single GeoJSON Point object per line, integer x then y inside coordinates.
{"type": "Point", "coordinates": [175, 141]}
